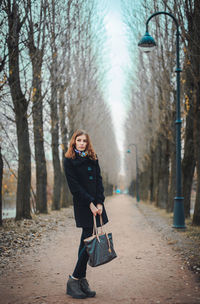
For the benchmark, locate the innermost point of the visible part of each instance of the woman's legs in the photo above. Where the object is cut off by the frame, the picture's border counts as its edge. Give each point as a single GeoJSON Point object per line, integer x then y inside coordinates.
{"type": "Point", "coordinates": [81, 265]}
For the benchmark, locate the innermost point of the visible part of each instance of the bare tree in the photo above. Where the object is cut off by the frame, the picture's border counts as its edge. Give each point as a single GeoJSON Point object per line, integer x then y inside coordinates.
{"type": "Point", "coordinates": [152, 105]}
{"type": "Point", "coordinates": [188, 13]}
{"type": "Point", "coordinates": [20, 103]}
{"type": "Point", "coordinates": [85, 104]}
{"type": "Point", "coordinates": [63, 77]}
{"type": "Point", "coordinates": [36, 45]}
{"type": "Point", "coordinates": [65, 68]}
{"type": "Point", "coordinates": [53, 31]}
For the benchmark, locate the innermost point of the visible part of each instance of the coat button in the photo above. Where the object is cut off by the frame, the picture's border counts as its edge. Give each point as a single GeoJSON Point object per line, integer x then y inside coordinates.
{"type": "Point", "coordinates": [89, 169]}
{"type": "Point", "coordinates": [90, 177]}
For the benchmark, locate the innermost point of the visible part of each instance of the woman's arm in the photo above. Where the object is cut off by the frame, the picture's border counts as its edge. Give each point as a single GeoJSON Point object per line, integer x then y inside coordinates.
{"type": "Point", "coordinates": [99, 209]}
{"type": "Point", "coordinates": [94, 209]}
{"type": "Point", "coordinates": [76, 189]}
{"type": "Point", "coordinates": [100, 189]}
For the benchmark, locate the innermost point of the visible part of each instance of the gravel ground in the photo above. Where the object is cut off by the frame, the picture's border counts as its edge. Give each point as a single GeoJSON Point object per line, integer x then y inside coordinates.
{"type": "Point", "coordinates": [38, 255]}
{"type": "Point", "coordinates": [186, 241]}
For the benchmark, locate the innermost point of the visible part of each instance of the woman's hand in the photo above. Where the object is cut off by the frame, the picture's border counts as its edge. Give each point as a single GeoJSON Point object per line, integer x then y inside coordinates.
{"type": "Point", "coordinates": [100, 208]}
{"type": "Point", "coordinates": [93, 209]}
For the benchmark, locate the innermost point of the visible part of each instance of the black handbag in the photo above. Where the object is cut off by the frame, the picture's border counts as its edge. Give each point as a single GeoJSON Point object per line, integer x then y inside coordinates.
{"type": "Point", "coordinates": [99, 246]}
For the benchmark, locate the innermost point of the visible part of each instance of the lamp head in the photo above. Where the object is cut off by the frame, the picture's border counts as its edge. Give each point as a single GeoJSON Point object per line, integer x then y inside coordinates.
{"type": "Point", "coordinates": [147, 43]}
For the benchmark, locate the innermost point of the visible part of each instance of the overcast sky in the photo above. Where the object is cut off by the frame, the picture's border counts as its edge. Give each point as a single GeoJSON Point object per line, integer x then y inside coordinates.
{"type": "Point", "coordinates": [119, 59]}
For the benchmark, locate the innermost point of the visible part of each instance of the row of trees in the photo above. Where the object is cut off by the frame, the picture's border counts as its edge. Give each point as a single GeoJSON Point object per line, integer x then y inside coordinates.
{"type": "Point", "coordinates": [152, 98]}
{"type": "Point", "coordinates": [52, 84]}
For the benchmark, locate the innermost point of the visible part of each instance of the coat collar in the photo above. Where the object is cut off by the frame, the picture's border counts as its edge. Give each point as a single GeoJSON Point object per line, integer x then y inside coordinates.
{"type": "Point", "coordinates": [78, 161]}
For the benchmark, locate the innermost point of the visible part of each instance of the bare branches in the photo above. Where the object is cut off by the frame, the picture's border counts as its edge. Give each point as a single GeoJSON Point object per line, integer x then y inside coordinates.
{"type": "Point", "coordinates": [58, 60]}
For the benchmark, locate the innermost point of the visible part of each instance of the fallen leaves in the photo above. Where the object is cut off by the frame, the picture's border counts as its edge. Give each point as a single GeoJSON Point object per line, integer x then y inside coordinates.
{"type": "Point", "coordinates": [16, 237]}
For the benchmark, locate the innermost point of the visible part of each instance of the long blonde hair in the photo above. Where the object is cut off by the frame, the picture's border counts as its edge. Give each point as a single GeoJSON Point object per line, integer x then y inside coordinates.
{"type": "Point", "coordinates": [89, 148]}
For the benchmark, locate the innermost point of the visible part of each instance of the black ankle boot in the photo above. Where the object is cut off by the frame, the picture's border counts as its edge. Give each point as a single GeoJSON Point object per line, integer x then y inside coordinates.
{"type": "Point", "coordinates": [74, 289]}
{"type": "Point", "coordinates": [86, 288]}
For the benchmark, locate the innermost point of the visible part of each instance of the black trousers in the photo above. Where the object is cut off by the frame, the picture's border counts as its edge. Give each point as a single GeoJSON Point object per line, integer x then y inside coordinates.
{"type": "Point", "coordinates": [81, 265]}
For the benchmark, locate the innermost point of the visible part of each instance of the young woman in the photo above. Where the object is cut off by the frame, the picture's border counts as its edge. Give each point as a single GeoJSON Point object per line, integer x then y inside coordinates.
{"type": "Point", "coordinates": [85, 183]}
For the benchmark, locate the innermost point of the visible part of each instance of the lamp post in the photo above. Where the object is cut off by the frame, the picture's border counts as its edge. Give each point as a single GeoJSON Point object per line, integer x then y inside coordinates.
{"type": "Point", "coordinates": [137, 175]}
{"type": "Point", "coordinates": [148, 42]}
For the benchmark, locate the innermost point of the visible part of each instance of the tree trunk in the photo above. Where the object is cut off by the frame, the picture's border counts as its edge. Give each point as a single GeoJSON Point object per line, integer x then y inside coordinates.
{"type": "Point", "coordinates": [55, 136]}
{"type": "Point", "coordinates": [195, 60]}
{"type": "Point", "coordinates": [66, 197]}
{"type": "Point", "coordinates": [144, 182]}
{"type": "Point", "coordinates": [196, 216]}
{"type": "Point", "coordinates": [156, 156]}
{"type": "Point", "coordinates": [36, 56]}
{"type": "Point", "coordinates": [163, 181]}
{"type": "Point", "coordinates": [151, 175]}
{"type": "Point", "coordinates": [172, 151]}
{"type": "Point", "coordinates": [188, 163]}
{"type": "Point", "coordinates": [41, 171]}
{"type": "Point", "coordinates": [172, 178]}
{"type": "Point", "coordinates": [20, 108]}
{"type": "Point", "coordinates": [131, 189]}
{"type": "Point", "coordinates": [1, 180]}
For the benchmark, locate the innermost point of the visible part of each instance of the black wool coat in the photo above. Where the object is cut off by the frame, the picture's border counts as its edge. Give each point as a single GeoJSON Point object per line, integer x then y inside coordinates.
{"type": "Point", "coordinates": [85, 183]}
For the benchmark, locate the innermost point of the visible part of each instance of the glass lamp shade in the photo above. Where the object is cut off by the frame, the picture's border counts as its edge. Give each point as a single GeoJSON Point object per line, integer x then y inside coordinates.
{"type": "Point", "coordinates": [147, 43]}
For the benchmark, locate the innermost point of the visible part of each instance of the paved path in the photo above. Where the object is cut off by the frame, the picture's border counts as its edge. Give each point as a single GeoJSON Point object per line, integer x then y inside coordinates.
{"type": "Point", "coordinates": [146, 271]}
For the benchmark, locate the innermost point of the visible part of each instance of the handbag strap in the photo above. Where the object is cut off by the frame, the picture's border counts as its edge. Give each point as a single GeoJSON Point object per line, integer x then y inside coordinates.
{"type": "Point", "coordinates": [101, 221]}
{"type": "Point", "coordinates": [95, 230]}
{"type": "Point", "coordinates": [94, 225]}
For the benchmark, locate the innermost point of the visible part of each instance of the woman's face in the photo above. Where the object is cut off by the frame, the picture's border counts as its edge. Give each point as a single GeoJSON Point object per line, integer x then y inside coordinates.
{"type": "Point", "coordinates": [81, 142]}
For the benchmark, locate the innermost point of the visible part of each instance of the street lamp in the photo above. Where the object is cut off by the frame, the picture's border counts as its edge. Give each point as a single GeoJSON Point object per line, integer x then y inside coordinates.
{"type": "Point", "coordinates": [148, 42]}
{"type": "Point", "coordinates": [137, 175]}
